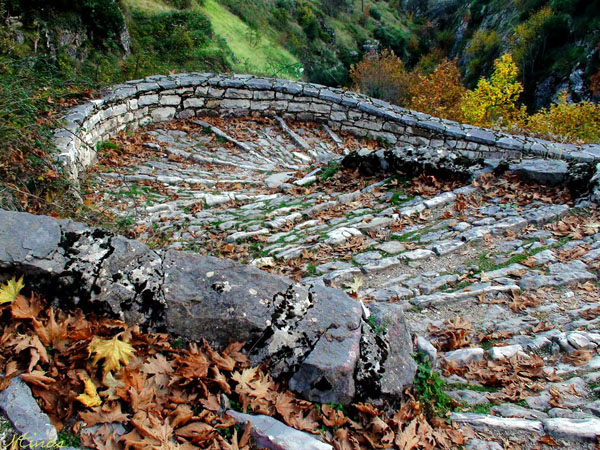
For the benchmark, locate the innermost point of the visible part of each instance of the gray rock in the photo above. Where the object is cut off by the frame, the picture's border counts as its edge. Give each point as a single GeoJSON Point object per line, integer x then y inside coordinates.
{"type": "Point", "coordinates": [398, 368]}
{"type": "Point", "coordinates": [578, 429]}
{"type": "Point", "coordinates": [272, 434]}
{"type": "Point", "coordinates": [415, 255]}
{"type": "Point", "coordinates": [560, 274]}
{"type": "Point", "coordinates": [465, 355]}
{"type": "Point", "coordinates": [478, 444]}
{"type": "Point", "coordinates": [426, 347]}
{"type": "Point", "coordinates": [544, 171]}
{"type": "Point", "coordinates": [469, 397]}
{"type": "Point", "coordinates": [25, 415]}
{"type": "Point", "coordinates": [512, 410]}
{"type": "Point", "coordinates": [502, 423]}
{"type": "Point", "coordinates": [311, 335]}
{"type": "Point", "coordinates": [391, 247]}
{"type": "Point", "coordinates": [445, 247]}
{"type": "Point", "coordinates": [277, 179]}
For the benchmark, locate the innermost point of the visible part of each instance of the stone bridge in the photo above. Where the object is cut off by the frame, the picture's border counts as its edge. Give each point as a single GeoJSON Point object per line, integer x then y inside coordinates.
{"type": "Point", "coordinates": [159, 99]}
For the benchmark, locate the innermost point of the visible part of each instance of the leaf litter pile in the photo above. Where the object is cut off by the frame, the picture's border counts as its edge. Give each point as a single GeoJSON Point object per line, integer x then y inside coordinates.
{"type": "Point", "coordinates": [86, 371]}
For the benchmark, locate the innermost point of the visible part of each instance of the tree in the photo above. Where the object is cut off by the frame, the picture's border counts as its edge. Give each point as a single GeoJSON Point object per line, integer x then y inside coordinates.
{"type": "Point", "coordinates": [382, 75]}
{"type": "Point", "coordinates": [440, 93]}
{"type": "Point", "coordinates": [494, 101]}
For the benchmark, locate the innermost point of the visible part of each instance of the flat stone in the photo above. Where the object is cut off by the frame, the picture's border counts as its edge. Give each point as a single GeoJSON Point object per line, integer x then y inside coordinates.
{"type": "Point", "coordinates": [465, 355]}
{"type": "Point", "coordinates": [577, 429]}
{"type": "Point", "coordinates": [25, 415]}
{"type": "Point", "coordinates": [270, 433]}
{"type": "Point", "coordinates": [478, 444]}
{"type": "Point", "coordinates": [391, 247]}
{"type": "Point", "coordinates": [381, 264]}
{"type": "Point", "coordinates": [502, 423]}
{"type": "Point", "coordinates": [544, 171]}
{"type": "Point", "coordinates": [512, 410]}
{"type": "Point", "coordinates": [505, 352]}
{"type": "Point", "coordinates": [341, 235]}
{"type": "Point", "coordinates": [277, 179]}
{"type": "Point", "coordinates": [469, 397]}
{"type": "Point", "coordinates": [376, 224]}
{"type": "Point", "coordinates": [367, 257]}
{"type": "Point", "coordinates": [445, 247]}
{"type": "Point", "coordinates": [561, 274]}
{"type": "Point", "coordinates": [416, 255]}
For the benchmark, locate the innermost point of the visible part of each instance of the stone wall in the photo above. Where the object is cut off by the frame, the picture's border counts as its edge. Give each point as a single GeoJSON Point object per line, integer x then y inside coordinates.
{"type": "Point", "coordinates": [163, 98]}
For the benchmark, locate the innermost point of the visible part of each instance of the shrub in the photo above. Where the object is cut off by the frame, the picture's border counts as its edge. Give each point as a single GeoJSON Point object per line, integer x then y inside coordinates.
{"type": "Point", "coordinates": [440, 93]}
{"type": "Point", "coordinates": [392, 38]}
{"type": "Point", "coordinates": [382, 75]}
{"type": "Point", "coordinates": [528, 38]}
{"type": "Point", "coordinates": [494, 101]}
{"type": "Point", "coordinates": [483, 48]}
{"type": "Point", "coordinates": [102, 18]}
{"type": "Point", "coordinates": [174, 35]}
{"type": "Point", "coordinates": [567, 121]}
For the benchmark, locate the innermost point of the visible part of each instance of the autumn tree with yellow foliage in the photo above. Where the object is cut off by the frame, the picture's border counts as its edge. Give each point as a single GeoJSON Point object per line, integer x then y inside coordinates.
{"type": "Point", "coordinates": [494, 101]}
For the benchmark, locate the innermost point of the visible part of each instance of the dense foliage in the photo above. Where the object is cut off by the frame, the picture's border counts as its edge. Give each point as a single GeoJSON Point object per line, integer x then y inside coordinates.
{"type": "Point", "coordinates": [495, 102]}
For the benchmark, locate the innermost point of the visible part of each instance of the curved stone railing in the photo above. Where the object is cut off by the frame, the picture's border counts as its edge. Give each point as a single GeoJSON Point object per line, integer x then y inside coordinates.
{"type": "Point", "coordinates": [163, 98]}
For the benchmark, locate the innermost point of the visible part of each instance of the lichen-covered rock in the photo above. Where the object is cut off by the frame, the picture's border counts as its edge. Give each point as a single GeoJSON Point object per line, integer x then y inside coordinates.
{"type": "Point", "coordinates": [313, 336]}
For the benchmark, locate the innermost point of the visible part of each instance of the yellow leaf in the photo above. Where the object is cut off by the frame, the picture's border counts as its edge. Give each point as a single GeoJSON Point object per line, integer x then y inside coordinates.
{"type": "Point", "coordinates": [113, 351]}
{"type": "Point", "coordinates": [90, 397]}
{"type": "Point", "coordinates": [10, 290]}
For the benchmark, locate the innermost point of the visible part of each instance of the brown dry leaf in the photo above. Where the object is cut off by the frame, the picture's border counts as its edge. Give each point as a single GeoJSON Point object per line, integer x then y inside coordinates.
{"type": "Point", "coordinates": [547, 440]}
{"type": "Point", "coordinates": [181, 416]}
{"type": "Point", "coordinates": [38, 378]}
{"type": "Point", "coordinates": [112, 384]}
{"type": "Point", "coordinates": [36, 349]}
{"type": "Point", "coordinates": [52, 334]}
{"type": "Point", "coordinates": [26, 308]}
{"type": "Point", "coordinates": [453, 334]}
{"type": "Point", "coordinates": [579, 357]}
{"type": "Point", "coordinates": [108, 413]}
{"type": "Point", "coordinates": [333, 417]}
{"type": "Point", "coordinates": [407, 439]}
{"type": "Point", "coordinates": [197, 432]}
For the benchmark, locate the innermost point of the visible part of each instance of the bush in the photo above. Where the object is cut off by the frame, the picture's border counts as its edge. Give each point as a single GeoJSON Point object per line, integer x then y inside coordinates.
{"type": "Point", "coordinates": [566, 121]}
{"type": "Point", "coordinates": [483, 48]}
{"type": "Point", "coordinates": [102, 18]}
{"type": "Point", "coordinates": [383, 76]}
{"type": "Point", "coordinates": [439, 93]}
{"type": "Point", "coordinates": [374, 13]}
{"type": "Point", "coordinates": [392, 38]}
{"type": "Point", "coordinates": [174, 35]}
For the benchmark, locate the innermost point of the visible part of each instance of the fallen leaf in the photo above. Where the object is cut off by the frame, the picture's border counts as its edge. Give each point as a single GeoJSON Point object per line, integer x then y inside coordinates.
{"type": "Point", "coordinates": [10, 290]}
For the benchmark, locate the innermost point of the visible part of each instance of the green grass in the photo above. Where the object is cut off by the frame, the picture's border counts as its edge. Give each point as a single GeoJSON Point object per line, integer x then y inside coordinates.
{"type": "Point", "coordinates": [147, 5]}
{"type": "Point", "coordinates": [429, 388]}
{"type": "Point", "coordinates": [255, 52]}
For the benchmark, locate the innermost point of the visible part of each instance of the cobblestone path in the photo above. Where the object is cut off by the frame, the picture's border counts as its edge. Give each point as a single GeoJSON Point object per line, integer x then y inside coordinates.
{"type": "Point", "coordinates": [498, 278]}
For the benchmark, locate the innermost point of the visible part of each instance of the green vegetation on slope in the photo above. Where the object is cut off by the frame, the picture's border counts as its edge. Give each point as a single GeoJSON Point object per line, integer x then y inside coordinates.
{"type": "Point", "coordinates": [254, 51]}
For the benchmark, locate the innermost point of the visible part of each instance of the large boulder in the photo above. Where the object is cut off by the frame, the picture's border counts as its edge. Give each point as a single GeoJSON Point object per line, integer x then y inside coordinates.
{"type": "Point", "coordinates": [311, 336]}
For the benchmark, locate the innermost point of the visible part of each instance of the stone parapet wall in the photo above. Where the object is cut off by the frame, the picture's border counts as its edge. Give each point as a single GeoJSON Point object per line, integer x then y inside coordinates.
{"type": "Point", "coordinates": [164, 98]}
